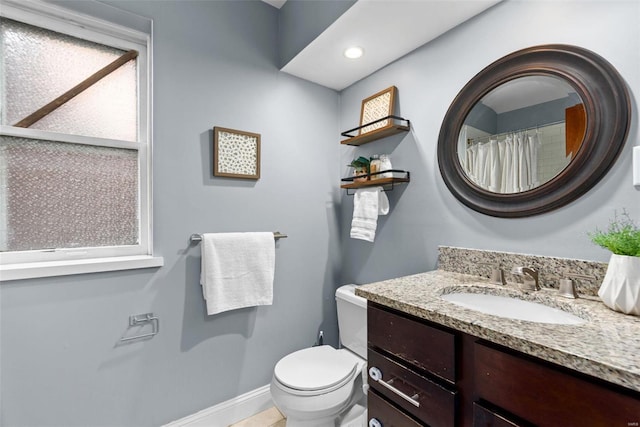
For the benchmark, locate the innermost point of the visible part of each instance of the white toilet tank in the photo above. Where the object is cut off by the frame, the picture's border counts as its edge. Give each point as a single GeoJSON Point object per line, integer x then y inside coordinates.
{"type": "Point", "coordinates": [352, 320]}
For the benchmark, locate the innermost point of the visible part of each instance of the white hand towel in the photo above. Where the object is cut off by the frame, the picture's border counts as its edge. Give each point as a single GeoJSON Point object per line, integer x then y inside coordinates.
{"type": "Point", "coordinates": [237, 270]}
{"type": "Point", "coordinates": [383, 202]}
{"type": "Point", "coordinates": [368, 203]}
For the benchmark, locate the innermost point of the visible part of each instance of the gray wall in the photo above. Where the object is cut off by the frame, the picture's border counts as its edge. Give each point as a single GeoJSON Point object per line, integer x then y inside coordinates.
{"type": "Point", "coordinates": [215, 64]}
{"type": "Point", "coordinates": [484, 118]}
{"type": "Point", "coordinates": [423, 213]}
{"type": "Point", "coordinates": [535, 115]}
{"type": "Point", "coordinates": [60, 362]}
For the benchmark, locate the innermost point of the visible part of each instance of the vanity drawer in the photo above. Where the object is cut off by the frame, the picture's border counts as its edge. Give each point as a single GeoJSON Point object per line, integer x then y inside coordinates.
{"type": "Point", "coordinates": [483, 417]}
{"type": "Point", "coordinates": [386, 414]}
{"type": "Point", "coordinates": [548, 396]}
{"type": "Point", "coordinates": [436, 404]}
{"type": "Point", "coordinates": [424, 346]}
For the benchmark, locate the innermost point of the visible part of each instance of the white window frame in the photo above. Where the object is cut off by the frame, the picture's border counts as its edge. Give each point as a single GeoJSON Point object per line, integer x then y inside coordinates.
{"type": "Point", "coordinates": [42, 263]}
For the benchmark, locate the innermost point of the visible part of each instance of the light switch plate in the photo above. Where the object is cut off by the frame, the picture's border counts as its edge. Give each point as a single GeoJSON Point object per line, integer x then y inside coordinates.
{"type": "Point", "coordinates": [636, 165]}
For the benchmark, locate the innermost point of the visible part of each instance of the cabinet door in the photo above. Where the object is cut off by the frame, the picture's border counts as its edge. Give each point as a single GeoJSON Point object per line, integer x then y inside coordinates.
{"type": "Point", "coordinates": [422, 345]}
{"type": "Point", "coordinates": [386, 414]}
{"type": "Point", "coordinates": [549, 396]}
{"type": "Point", "coordinates": [483, 417]}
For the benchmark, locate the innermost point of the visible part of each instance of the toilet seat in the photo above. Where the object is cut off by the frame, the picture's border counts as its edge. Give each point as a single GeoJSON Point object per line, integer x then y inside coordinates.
{"type": "Point", "coordinates": [315, 370]}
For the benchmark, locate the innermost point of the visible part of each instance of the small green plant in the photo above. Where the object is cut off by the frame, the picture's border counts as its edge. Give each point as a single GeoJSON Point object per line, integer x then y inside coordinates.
{"type": "Point", "coordinates": [361, 163]}
{"type": "Point", "coordinates": [621, 238]}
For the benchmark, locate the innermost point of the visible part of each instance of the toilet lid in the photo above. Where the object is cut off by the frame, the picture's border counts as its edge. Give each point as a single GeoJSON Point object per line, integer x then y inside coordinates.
{"type": "Point", "coordinates": [315, 368]}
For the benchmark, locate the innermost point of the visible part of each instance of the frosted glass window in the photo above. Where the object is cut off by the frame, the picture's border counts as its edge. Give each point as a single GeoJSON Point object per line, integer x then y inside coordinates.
{"type": "Point", "coordinates": [75, 185]}
{"type": "Point", "coordinates": [38, 65]}
{"type": "Point", "coordinates": [60, 195]}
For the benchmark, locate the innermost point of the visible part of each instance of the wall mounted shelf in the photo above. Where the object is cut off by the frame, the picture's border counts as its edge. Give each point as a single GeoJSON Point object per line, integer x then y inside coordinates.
{"type": "Point", "coordinates": [394, 126]}
{"type": "Point", "coordinates": [387, 184]}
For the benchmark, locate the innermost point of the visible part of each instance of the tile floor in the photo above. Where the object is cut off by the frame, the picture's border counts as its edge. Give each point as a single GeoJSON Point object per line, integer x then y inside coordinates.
{"type": "Point", "coordinates": [269, 418]}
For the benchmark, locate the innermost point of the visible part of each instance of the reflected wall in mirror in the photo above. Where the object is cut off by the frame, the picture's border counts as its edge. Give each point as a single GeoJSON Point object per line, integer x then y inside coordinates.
{"type": "Point", "coordinates": [533, 131]}
{"type": "Point", "coordinates": [521, 134]}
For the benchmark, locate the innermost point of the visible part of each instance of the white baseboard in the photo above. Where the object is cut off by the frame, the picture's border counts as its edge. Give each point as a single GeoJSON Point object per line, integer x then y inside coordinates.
{"type": "Point", "coordinates": [229, 412]}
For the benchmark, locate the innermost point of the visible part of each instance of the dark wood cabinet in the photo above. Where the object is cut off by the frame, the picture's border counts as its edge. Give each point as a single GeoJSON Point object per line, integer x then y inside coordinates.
{"type": "Point", "coordinates": [428, 348]}
{"type": "Point", "coordinates": [414, 368]}
{"type": "Point", "coordinates": [548, 395]}
{"type": "Point", "coordinates": [388, 415]}
{"type": "Point", "coordinates": [430, 402]}
{"type": "Point", "coordinates": [485, 417]}
{"type": "Point", "coordinates": [430, 375]}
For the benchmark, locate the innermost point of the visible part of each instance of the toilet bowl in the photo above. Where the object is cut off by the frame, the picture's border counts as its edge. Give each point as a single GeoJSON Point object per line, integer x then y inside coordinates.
{"type": "Point", "coordinates": [323, 386]}
{"type": "Point", "coordinates": [312, 387]}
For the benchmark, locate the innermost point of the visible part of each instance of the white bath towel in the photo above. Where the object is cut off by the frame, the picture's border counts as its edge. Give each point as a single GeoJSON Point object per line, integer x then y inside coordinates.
{"type": "Point", "coordinates": [237, 270]}
{"type": "Point", "coordinates": [368, 203]}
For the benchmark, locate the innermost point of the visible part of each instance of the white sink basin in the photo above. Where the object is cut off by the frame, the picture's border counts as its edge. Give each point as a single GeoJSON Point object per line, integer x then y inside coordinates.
{"type": "Point", "coordinates": [512, 308]}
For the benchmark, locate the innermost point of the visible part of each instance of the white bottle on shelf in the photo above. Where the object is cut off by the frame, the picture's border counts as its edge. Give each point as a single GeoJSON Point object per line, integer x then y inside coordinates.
{"type": "Point", "coordinates": [385, 165]}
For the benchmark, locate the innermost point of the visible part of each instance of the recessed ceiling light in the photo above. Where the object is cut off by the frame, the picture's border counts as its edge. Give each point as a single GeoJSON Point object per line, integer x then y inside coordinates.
{"type": "Point", "coordinates": [353, 52]}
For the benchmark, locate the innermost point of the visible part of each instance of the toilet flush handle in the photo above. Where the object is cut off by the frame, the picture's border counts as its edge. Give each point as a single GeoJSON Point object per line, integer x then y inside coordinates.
{"type": "Point", "coordinates": [376, 375]}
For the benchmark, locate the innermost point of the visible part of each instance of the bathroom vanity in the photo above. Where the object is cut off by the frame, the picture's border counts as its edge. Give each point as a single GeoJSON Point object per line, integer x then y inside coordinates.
{"type": "Point", "coordinates": [434, 363]}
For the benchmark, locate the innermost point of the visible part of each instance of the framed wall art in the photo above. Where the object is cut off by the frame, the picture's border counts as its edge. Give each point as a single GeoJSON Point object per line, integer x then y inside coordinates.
{"type": "Point", "coordinates": [376, 107]}
{"type": "Point", "coordinates": [236, 153]}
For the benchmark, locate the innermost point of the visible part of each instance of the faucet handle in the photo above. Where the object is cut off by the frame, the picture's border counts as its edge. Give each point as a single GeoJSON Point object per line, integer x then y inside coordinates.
{"type": "Point", "coordinates": [497, 273]}
{"type": "Point", "coordinates": [567, 288]}
{"type": "Point", "coordinates": [497, 276]}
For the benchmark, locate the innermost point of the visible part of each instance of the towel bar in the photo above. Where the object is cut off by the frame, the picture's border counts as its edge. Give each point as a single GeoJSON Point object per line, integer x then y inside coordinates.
{"type": "Point", "coordinates": [196, 238]}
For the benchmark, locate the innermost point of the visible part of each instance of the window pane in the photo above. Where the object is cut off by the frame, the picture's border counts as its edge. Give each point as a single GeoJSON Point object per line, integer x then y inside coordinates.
{"type": "Point", "coordinates": [39, 65]}
{"type": "Point", "coordinates": [59, 195]}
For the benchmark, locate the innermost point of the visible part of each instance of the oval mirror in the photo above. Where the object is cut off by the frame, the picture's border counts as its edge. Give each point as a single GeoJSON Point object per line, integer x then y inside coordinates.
{"type": "Point", "coordinates": [533, 131]}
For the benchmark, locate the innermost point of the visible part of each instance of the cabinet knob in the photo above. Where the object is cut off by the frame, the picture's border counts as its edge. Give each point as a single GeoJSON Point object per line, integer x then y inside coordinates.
{"type": "Point", "coordinates": [375, 373]}
{"type": "Point", "coordinates": [373, 422]}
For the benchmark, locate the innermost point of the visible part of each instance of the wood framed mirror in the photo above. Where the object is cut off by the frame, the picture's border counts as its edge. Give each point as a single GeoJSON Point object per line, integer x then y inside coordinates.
{"type": "Point", "coordinates": [533, 131]}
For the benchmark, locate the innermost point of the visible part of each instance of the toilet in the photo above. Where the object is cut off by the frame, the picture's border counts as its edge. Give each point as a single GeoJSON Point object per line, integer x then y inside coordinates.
{"type": "Point", "coordinates": [322, 386]}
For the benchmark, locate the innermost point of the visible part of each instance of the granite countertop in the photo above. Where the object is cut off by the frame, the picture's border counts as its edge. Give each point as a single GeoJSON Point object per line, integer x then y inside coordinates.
{"type": "Point", "coordinates": [606, 346]}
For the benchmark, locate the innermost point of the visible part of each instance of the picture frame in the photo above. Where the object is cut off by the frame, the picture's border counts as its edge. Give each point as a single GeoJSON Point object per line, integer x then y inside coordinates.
{"type": "Point", "coordinates": [376, 107]}
{"type": "Point", "coordinates": [236, 153]}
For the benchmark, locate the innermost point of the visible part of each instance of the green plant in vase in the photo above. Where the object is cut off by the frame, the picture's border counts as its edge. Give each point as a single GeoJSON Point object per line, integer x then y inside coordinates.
{"type": "Point", "coordinates": [621, 238]}
{"type": "Point", "coordinates": [360, 168]}
{"type": "Point", "coordinates": [620, 289]}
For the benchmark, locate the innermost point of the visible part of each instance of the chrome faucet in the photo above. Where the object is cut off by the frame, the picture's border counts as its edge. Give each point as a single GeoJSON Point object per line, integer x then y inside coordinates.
{"type": "Point", "coordinates": [529, 278]}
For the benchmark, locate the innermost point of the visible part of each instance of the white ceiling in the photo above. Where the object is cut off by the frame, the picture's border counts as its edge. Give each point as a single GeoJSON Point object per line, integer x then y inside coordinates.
{"type": "Point", "coordinates": [525, 92]}
{"type": "Point", "coordinates": [275, 3]}
{"type": "Point", "coordinates": [386, 29]}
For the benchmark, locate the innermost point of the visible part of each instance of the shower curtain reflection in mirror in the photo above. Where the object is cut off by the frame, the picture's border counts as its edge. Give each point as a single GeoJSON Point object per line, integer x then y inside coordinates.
{"type": "Point", "coordinates": [511, 162]}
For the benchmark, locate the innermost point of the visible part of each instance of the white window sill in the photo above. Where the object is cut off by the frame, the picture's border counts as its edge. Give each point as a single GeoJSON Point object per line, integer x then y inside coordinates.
{"type": "Point", "coordinates": [64, 268]}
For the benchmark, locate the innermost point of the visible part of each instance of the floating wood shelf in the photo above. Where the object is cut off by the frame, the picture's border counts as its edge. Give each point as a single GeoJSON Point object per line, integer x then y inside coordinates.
{"type": "Point", "coordinates": [391, 129]}
{"type": "Point", "coordinates": [386, 183]}
{"type": "Point", "coordinates": [374, 183]}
